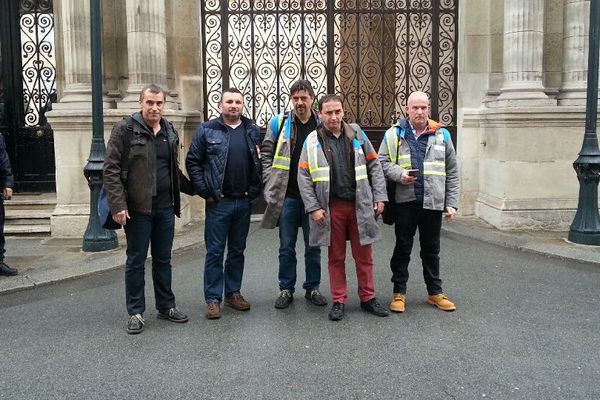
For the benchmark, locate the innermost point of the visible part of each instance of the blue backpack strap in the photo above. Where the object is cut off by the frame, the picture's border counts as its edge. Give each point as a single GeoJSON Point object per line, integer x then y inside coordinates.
{"type": "Point", "coordinates": [277, 121]}
{"type": "Point", "coordinates": [446, 133]}
{"type": "Point", "coordinates": [275, 125]}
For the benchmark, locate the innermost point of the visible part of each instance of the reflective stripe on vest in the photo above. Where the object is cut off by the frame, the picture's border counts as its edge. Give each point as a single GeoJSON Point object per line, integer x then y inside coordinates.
{"type": "Point", "coordinates": [317, 174]}
{"type": "Point", "coordinates": [280, 161]}
{"type": "Point", "coordinates": [403, 160]}
{"type": "Point", "coordinates": [436, 167]}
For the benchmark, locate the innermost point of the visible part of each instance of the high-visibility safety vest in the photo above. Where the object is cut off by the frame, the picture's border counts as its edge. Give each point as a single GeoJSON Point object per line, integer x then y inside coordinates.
{"type": "Point", "coordinates": [281, 161]}
{"type": "Point", "coordinates": [430, 167]}
{"type": "Point", "coordinates": [320, 173]}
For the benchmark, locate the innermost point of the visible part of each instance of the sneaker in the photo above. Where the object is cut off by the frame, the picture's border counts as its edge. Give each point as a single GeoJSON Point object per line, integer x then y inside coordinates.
{"type": "Point", "coordinates": [135, 324]}
{"type": "Point", "coordinates": [284, 300]}
{"type": "Point", "coordinates": [237, 302]}
{"type": "Point", "coordinates": [398, 303]}
{"type": "Point", "coordinates": [337, 312]}
{"type": "Point", "coordinates": [6, 270]}
{"type": "Point", "coordinates": [441, 301]}
{"type": "Point", "coordinates": [374, 307]}
{"type": "Point", "coordinates": [213, 310]}
{"type": "Point", "coordinates": [173, 315]}
{"type": "Point", "coordinates": [315, 297]}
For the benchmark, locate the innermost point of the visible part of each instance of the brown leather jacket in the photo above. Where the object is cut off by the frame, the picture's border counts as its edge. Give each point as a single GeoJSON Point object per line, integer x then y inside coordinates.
{"type": "Point", "coordinates": [131, 185]}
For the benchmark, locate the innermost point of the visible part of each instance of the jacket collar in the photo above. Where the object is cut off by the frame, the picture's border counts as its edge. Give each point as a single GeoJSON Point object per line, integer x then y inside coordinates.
{"type": "Point", "coordinates": [137, 117]}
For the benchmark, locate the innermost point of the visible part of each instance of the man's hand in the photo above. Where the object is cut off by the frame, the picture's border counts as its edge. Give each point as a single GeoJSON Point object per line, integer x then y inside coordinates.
{"type": "Point", "coordinates": [406, 179]}
{"type": "Point", "coordinates": [450, 213]}
{"type": "Point", "coordinates": [378, 207]}
{"type": "Point", "coordinates": [121, 217]}
{"type": "Point", "coordinates": [7, 193]}
{"type": "Point", "coordinates": [318, 216]}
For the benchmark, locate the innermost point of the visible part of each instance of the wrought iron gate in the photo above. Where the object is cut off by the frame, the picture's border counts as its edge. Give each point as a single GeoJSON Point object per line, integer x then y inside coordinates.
{"type": "Point", "coordinates": [27, 88]}
{"type": "Point", "coordinates": [372, 52]}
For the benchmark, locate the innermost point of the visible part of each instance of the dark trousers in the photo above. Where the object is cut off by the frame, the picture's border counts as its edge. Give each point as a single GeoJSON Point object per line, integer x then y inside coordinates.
{"type": "Point", "coordinates": [2, 240]}
{"type": "Point", "coordinates": [293, 217]}
{"type": "Point", "coordinates": [227, 224]}
{"type": "Point", "coordinates": [142, 231]}
{"type": "Point", "coordinates": [409, 217]}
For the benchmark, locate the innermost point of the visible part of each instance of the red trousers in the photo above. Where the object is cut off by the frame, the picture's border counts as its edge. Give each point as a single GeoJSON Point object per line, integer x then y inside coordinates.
{"type": "Point", "coordinates": [343, 227]}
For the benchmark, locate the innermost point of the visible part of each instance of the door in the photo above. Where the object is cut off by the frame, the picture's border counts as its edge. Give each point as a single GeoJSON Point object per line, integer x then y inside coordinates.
{"type": "Point", "coordinates": [27, 89]}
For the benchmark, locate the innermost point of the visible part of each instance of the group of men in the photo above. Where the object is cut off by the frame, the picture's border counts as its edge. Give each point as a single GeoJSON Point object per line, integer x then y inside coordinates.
{"type": "Point", "coordinates": [315, 171]}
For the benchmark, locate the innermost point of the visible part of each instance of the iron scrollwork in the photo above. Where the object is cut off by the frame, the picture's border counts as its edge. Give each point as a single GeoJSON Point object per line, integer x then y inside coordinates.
{"type": "Point", "coordinates": [377, 51]}
{"type": "Point", "coordinates": [38, 62]}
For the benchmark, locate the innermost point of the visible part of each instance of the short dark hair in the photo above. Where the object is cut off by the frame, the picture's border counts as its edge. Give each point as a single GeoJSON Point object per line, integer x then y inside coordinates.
{"type": "Point", "coordinates": [231, 90]}
{"type": "Point", "coordinates": [328, 98]}
{"type": "Point", "coordinates": [152, 88]}
{"type": "Point", "coordinates": [302, 84]}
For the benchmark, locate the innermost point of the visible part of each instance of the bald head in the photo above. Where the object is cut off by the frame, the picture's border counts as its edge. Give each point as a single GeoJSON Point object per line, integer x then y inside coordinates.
{"type": "Point", "coordinates": [417, 109]}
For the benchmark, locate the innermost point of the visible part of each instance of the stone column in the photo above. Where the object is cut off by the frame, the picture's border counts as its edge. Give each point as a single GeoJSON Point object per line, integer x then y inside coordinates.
{"type": "Point", "coordinates": [75, 17]}
{"type": "Point", "coordinates": [146, 49]}
{"type": "Point", "coordinates": [523, 55]}
{"type": "Point", "coordinates": [575, 50]}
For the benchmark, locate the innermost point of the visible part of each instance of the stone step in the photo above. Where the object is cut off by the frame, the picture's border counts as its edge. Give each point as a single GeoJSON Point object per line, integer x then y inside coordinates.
{"type": "Point", "coordinates": [42, 201]}
{"type": "Point", "coordinates": [29, 214]}
{"type": "Point", "coordinates": [27, 230]}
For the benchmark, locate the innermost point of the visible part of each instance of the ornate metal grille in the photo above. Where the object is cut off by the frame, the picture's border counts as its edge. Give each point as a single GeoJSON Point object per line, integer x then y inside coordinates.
{"type": "Point", "coordinates": [37, 54]}
{"type": "Point", "coordinates": [372, 52]}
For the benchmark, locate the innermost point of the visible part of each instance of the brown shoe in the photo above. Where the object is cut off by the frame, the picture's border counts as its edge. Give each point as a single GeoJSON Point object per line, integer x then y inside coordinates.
{"type": "Point", "coordinates": [398, 303]}
{"type": "Point", "coordinates": [213, 310]}
{"type": "Point", "coordinates": [237, 302]}
{"type": "Point", "coordinates": [441, 301]}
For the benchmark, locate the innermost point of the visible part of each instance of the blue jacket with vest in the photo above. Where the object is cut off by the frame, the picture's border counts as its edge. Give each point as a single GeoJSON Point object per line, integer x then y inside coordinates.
{"type": "Point", "coordinates": [433, 155]}
{"type": "Point", "coordinates": [207, 158]}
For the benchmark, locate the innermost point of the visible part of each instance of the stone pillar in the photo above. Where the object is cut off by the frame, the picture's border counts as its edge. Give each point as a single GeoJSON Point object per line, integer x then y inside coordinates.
{"type": "Point", "coordinates": [523, 55]}
{"type": "Point", "coordinates": [75, 18]}
{"type": "Point", "coordinates": [575, 50]}
{"type": "Point", "coordinates": [146, 49]}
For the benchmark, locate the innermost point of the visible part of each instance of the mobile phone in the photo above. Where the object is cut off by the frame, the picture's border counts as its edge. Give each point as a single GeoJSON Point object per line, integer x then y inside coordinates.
{"type": "Point", "coordinates": [413, 172]}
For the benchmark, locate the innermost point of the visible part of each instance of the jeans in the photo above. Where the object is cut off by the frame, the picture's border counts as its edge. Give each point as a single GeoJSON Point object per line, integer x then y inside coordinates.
{"type": "Point", "coordinates": [291, 219]}
{"type": "Point", "coordinates": [142, 230]}
{"type": "Point", "coordinates": [343, 227]}
{"type": "Point", "coordinates": [409, 217]}
{"type": "Point", "coordinates": [227, 222]}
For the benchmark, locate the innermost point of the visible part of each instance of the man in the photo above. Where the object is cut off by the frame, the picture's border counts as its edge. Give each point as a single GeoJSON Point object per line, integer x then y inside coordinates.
{"type": "Point", "coordinates": [7, 182]}
{"type": "Point", "coordinates": [280, 151]}
{"type": "Point", "coordinates": [417, 154]}
{"type": "Point", "coordinates": [224, 167]}
{"type": "Point", "coordinates": [142, 181]}
{"type": "Point", "coordinates": [343, 189]}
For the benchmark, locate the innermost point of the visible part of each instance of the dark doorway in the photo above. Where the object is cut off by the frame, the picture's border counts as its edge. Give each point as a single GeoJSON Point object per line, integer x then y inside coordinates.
{"type": "Point", "coordinates": [27, 89]}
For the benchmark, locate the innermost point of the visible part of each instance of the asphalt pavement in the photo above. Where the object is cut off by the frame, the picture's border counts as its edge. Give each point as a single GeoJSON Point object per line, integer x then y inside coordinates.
{"type": "Point", "coordinates": [526, 327]}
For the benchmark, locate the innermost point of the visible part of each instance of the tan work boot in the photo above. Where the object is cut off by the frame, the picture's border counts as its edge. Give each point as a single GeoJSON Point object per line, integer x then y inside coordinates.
{"type": "Point", "coordinates": [441, 301]}
{"type": "Point", "coordinates": [398, 303]}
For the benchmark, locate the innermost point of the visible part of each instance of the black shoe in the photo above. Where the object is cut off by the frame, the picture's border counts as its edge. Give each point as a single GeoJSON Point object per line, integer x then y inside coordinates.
{"type": "Point", "coordinates": [337, 312]}
{"type": "Point", "coordinates": [6, 270]}
{"type": "Point", "coordinates": [285, 299]}
{"type": "Point", "coordinates": [374, 307]}
{"type": "Point", "coordinates": [315, 297]}
{"type": "Point", "coordinates": [173, 314]}
{"type": "Point", "coordinates": [135, 324]}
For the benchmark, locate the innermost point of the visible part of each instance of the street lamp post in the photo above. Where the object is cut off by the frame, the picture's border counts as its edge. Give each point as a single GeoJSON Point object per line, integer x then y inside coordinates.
{"type": "Point", "coordinates": [585, 228]}
{"type": "Point", "coordinates": [96, 238]}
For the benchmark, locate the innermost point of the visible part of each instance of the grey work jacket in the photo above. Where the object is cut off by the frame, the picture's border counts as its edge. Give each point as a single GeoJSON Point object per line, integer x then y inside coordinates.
{"type": "Point", "coordinates": [314, 183]}
{"type": "Point", "coordinates": [440, 175]}
{"type": "Point", "coordinates": [276, 155]}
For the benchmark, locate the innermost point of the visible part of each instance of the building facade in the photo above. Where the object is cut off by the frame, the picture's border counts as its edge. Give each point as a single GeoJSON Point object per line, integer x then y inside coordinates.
{"type": "Point", "coordinates": [508, 76]}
